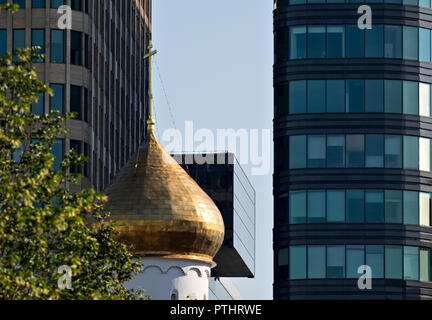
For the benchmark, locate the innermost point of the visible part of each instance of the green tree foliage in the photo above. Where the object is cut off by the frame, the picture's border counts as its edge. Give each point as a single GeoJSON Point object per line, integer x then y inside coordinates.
{"type": "Point", "coordinates": [42, 224]}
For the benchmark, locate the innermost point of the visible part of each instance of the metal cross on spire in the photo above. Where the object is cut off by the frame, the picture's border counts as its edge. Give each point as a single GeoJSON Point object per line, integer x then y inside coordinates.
{"type": "Point", "coordinates": [150, 121]}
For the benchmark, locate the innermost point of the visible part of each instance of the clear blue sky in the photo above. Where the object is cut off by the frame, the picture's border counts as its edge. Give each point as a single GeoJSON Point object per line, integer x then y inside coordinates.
{"type": "Point", "coordinates": [215, 59]}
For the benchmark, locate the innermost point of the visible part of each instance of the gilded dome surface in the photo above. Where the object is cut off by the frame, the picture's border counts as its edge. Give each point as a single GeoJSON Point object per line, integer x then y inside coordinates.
{"type": "Point", "coordinates": [161, 210]}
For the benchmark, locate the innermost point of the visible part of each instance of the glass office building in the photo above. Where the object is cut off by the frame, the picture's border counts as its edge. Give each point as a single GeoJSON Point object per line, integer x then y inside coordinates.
{"type": "Point", "coordinates": [352, 135]}
{"type": "Point", "coordinates": [96, 70]}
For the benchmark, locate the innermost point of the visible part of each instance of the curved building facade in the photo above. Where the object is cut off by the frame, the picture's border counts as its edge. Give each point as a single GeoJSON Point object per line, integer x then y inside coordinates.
{"type": "Point", "coordinates": [95, 69]}
{"type": "Point", "coordinates": [352, 135]}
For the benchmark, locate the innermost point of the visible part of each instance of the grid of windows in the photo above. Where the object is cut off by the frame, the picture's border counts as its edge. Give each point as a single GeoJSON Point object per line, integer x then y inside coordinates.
{"type": "Point", "coordinates": [348, 41]}
{"type": "Point", "coordinates": [355, 206]}
{"type": "Point", "coordinates": [355, 151]}
{"type": "Point", "coordinates": [353, 96]}
{"type": "Point", "coordinates": [286, 3]}
{"type": "Point", "coordinates": [343, 261]}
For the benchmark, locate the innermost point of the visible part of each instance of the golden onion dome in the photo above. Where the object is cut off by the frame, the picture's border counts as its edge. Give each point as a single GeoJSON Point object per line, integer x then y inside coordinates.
{"type": "Point", "coordinates": [161, 211]}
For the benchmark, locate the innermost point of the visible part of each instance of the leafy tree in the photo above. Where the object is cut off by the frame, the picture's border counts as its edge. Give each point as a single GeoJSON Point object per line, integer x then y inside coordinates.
{"type": "Point", "coordinates": [42, 224]}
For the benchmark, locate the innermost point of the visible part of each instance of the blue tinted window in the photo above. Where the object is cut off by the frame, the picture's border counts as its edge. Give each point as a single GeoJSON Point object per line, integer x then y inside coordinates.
{"type": "Point", "coordinates": [57, 46]}
{"type": "Point", "coordinates": [393, 262]}
{"type": "Point", "coordinates": [316, 151]}
{"type": "Point", "coordinates": [411, 263]}
{"type": "Point", "coordinates": [375, 260]}
{"type": "Point", "coordinates": [354, 42]}
{"type": "Point", "coordinates": [410, 97]}
{"type": "Point", "coordinates": [57, 99]}
{"type": "Point", "coordinates": [393, 96]}
{"type": "Point", "coordinates": [76, 47]}
{"type": "Point", "coordinates": [297, 97]}
{"type": "Point", "coordinates": [374, 95]}
{"type": "Point", "coordinates": [76, 5]}
{"type": "Point", "coordinates": [355, 259]}
{"type": "Point", "coordinates": [393, 42]}
{"type": "Point", "coordinates": [316, 41]}
{"type": "Point", "coordinates": [410, 43]}
{"type": "Point", "coordinates": [316, 262]}
{"type": "Point", "coordinates": [393, 206]}
{"type": "Point", "coordinates": [297, 262]}
{"type": "Point", "coordinates": [335, 262]}
{"type": "Point", "coordinates": [355, 151]}
{"type": "Point", "coordinates": [316, 96]}
{"type": "Point", "coordinates": [18, 39]}
{"type": "Point", "coordinates": [298, 42]}
{"type": "Point", "coordinates": [425, 45]}
{"type": "Point", "coordinates": [335, 41]}
{"type": "Point", "coordinates": [297, 207]}
{"type": "Point", "coordinates": [38, 3]}
{"type": "Point", "coordinates": [38, 40]}
{"type": "Point", "coordinates": [410, 152]}
{"type": "Point", "coordinates": [393, 151]}
{"type": "Point", "coordinates": [355, 95]}
{"type": "Point", "coordinates": [21, 3]}
{"type": "Point", "coordinates": [316, 206]}
{"type": "Point", "coordinates": [335, 96]}
{"type": "Point", "coordinates": [374, 203]}
{"type": "Point", "coordinates": [425, 3]}
{"type": "Point", "coordinates": [425, 265]}
{"type": "Point", "coordinates": [38, 107]}
{"type": "Point", "coordinates": [374, 42]}
{"type": "Point", "coordinates": [56, 3]}
{"type": "Point", "coordinates": [354, 206]}
{"type": "Point", "coordinates": [335, 151]}
{"type": "Point", "coordinates": [374, 151]}
{"type": "Point", "coordinates": [297, 152]}
{"type": "Point", "coordinates": [410, 207]}
{"type": "Point", "coordinates": [3, 42]}
{"type": "Point", "coordinates": [57, 150]}
{"type": "Point", "coordinates": [335, 206]}
{"type": "Point", "coordinates": [75, 101]}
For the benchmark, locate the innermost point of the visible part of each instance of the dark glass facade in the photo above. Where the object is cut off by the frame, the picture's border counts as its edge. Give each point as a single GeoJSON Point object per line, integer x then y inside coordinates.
{"type": "Point", "coordinates": [352, 136]}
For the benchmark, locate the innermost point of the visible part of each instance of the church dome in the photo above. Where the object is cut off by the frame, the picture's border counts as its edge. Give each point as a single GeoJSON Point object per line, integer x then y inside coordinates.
{"type": "Point", "coordinates": [161, 211]}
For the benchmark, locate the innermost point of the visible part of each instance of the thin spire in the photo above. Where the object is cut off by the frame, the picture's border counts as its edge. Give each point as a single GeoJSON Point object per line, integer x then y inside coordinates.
{"type": "Point", "coordinates": [150, 121]}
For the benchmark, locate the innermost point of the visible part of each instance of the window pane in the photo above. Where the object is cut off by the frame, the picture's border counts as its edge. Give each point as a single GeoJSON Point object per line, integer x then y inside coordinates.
{"type": "Point", "coordinates": [297, 152]}
{"type": "Point", "coordinates": [411, 152]}
{"type": "Point", "coordinates": [335, 151]}
{"type": "Point", "coordinates": [38, 107]}
{"type": "Point", "coordinates": [316, 42]}
{"type": "Point", "coordinates": [393, 151]}
{"type": "Point", "coordinates": [282, 42]}
{"type": "Point", "coordinates": [425, 3]}
{"type": "Point", "coordinates": [316, 96]}
{"type": "Point", "coordinates": [374, 206]}
{"type": "Point", "coordinates": [281, 99]}
{"type": "Point", "coordinates": [76, 48]}
{"type": "Point", "coordinates": [57, 99]}
{"type": "Point", "coordinates": [57, 150]}
{"type": "Point", "coordinates": [76, 5]}
{"type": "Point", "coordinates": [425, 45]}
{"type": "Point", "coordinates": [2, 42]}
{"type": "Point", "coordinates": [355, 95]}
{"type": "Point", "coordinates": [410, 97]}
{"type": "Point", "coordinates": [375, 260]}
{"type": "Point", "coordinates": [424, 99]}
{"type": "Point", "coordinates": [374, 150]}
{"type": "Point", "coordinates": [56, 3]}
{"type": "Point", "coordinates": [297, 205]}
{"type": "Point", "coordinates": [354, 206]}
{"type": "Point", "coordinates": [316, 151]}
{"type": "Point", "coordinates": [393, 42]}
{"type": "Point", "coordinates": [297, 42]}
{"type": "Point", "coordinates": [355, 151]}
{"type": "Point", "coordinates": [355, 259]}
{"type": "Point", "coordinates": [38, 3]}
{"type": "Point", "coordinates": [424, 154]}
{"type": "Point", "coordinates": [75, 101]}
{"type": "Point", "coordinates": [297, 97]}
{"type": "Point", "coordinates": [374, 95]}
{"type": "Point", "coordinates": [424, 209]}
{"type": "Point", "coordinates": [355, 42]}
{"type": "Point", "coordinates": [375, 42]}
{"type": "Point", "coordinates": [411, 263]}
{"type": "Point", "coordinates": [424, 265]}
{"type": "Point", "coordinates": [297, 262]}
{"type": "Point", "coordinates": [393, 262]}
{"type": "Point", "coordinates": [393, 206]}
{"type": "Point", "coordinates": [411, 207]}
{"type": "Point", "coordinates": [283, 257]}
{"type": "Point", "coordinates": [38, 40]}
{"type": "Point", "coordinates": [18, 40]}
{"type": "Point", "coordinates": [335, 96]}
{"type": "Point", "coordinates": [316, 262]}
{"type": "Point", "coordinates": [335, 206]}
{"type": "Point", "coordinates": [21, 3]}
{"type": "Point", "coordinates": [410, 43]}
{"type": "Point", "coordinates": [335, 41]}
{"type": "Point", "coordinates": [335, 262]}
{"type": "Point", "coordinates": [316, 206]}
{"type": "Point", "coordinates": [57, 46]}
{"type": "Point", "coordinates": [393, 96]}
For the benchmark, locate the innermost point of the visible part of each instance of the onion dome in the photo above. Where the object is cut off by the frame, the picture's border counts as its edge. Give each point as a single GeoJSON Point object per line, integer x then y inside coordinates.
{"type": "Point", "coordinates": [161, 211]}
